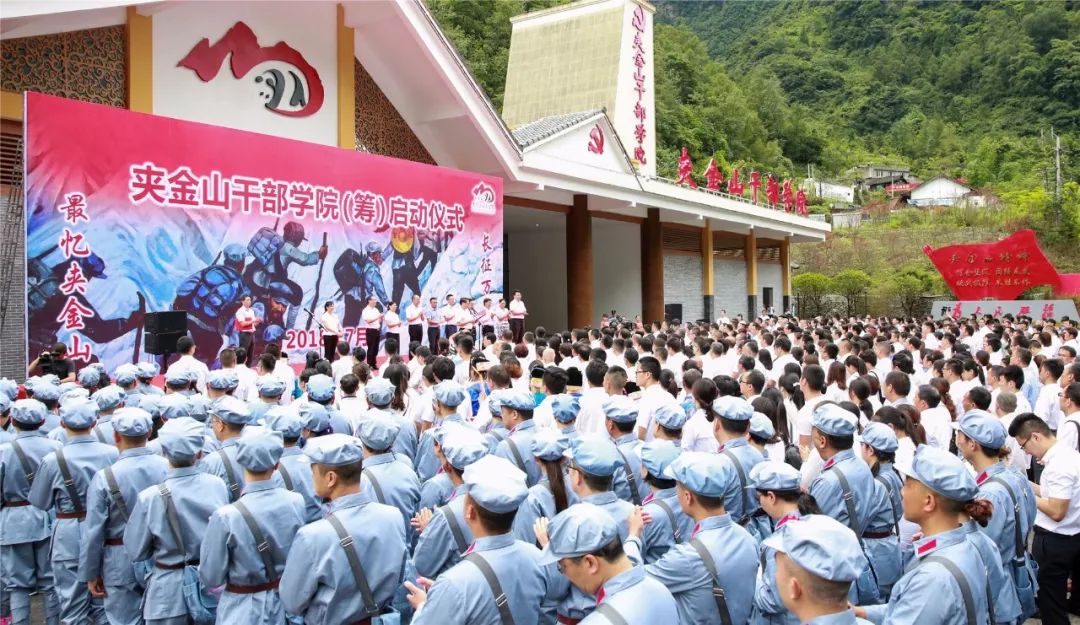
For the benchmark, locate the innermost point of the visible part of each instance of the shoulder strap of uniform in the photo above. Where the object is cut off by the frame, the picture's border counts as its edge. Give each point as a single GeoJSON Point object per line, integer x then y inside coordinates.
{"type": "Point", "coordinates": [516, 453]}
{"type": "Point", "coordinates": [634, 494]}
{"type": "Point", "coordinates": [174, 520]}
{"type": "Point", "coordinates": [1017, 537]}
{"type": "Point", "coordinates": [261, 544]}
{"type": "Point", "coordinates": [892, 502]}
{"type": "Point", "coordinates": [742, 484]}
{"type": "Point", "coordinates": [849, 501]}
{"type": "Point", "coordinates": [717, 589]}
{"type": "Point", "coordinates": [24, 462]}
{"type": "Point", "coordinates": [609, 612]}
{"type": "Point", "coordinates": [671, 517]}
{"type": "Point", "coordinates": [357, 568]}
{"type": "Point", "coordinates": [370, 475]}
{"type": "Point", "coordinates": [69, 481]}
{"type": "Point", "coordinates": [230, 476]}
{"type": "Point", "coordinates": [1076, 424]}
{"type": "Point", "coordinates": [961, 582]}
{"type": "Point", "coordinates": [499, 436]}
{"type": "Point", "coordinates": [501, 602]}
{"type": "Point", "coordinates": [100, 435]}
{"type": "Point", "coordinates": [115, 494]}
{"type": "Point", "coordinates": [455, 528]}
{"type": "Point", "coordinates": [285, 477]}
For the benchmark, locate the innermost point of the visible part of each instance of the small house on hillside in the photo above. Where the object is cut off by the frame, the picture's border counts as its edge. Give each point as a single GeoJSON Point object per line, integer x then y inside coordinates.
{"type": "Point", "coordinates": [940, 191]}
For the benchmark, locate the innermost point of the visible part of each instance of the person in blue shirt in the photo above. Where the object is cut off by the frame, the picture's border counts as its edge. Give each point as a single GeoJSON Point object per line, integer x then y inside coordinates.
{"type": "Point", "coordinates": [946, 583]}
{"type": "Point", "coordinates": [387, 478]}
{"type": "Point", "coordinates": [448, 396]}
{"type": "Point", "coordinates": [104, 565]}
{"type": "Point", "coordinates": [48, 394]}
{"type": "Point", "coordinates": [881, 538]}
{"type": "Point", "coordinates": [500, 578]}
{"type": "Point", "coordinates": [380, 394]}
{"type": "Point", "coordinates": [109, 399]}
{"type": "Point", "coordinates": [670, 419]}
{"type": "Point", "coordinates": [347, 567]}
{"type": "Point", "coordinates": [817, 559]}
{"type": "Point", "coordinates": [228, 416]}
{"type": "Point", "coordinates": [444, 535]}
{"type": "Point", "coordinates": [24, 529]}
{"type": "Point", "coordinates": [981, 440]}
{"type": "Point", "coordinates": [127, 378]}
{"type": "Point", "coordinates": [585, 542]}
{"type": "Point", "coordinates": [150, 534]}
{"type": "Point", "coordinates": [294, 469]}
{"type": "Point", "coordinates": [731, 430]}
{"type": "Point", "coordinates": [6, 433]}
{"type": "Point", "coordinates": [147, 371]}
{"type": "Point", "coordinates": [246, 542]}
{"type": "Point", "coordinates": [517, 411]}
{"type": "Point", "coordinates": [320, 390]}
{"type": "Point", "coordinates": [438, 490]}
{"type": "Point", "coordinates": [495, 431]}
{"type": "Point", "coordinates": [711, 575]}
{"type": "Point", "coordinates": [270, 389]}
{"type": "Point", "coordinates": [552, 494]}
{"type": "Point", "coordinates": [60, 487]}
{"type": "Point", "coordinates": [845, 490]}
{"type": "Point", "coordinates": [620, 418]}
{"type": "Point", "coordinates": [565, 409]}
{"type": "Point", "coordinates": [777, 485]}
{"type": "Point", "coordinates": [670, 525]}
{"type": "Point", "coordinates": [594, 462]}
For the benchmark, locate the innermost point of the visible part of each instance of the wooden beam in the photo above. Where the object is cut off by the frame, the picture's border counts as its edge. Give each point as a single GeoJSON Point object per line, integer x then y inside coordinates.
{"type": "Point", "coordinates": [346, 79]}
{"type": "Point", "coordinates": [630, 219]}
{"type": "Point", "coordinates": [525, 202]}
{"type": "Point", "coordinates": [140, 61]}
{"type": "Point", "coordinates": [652, 267]}
{"type": "Point", "coordinates": [706, 259]}
{"type": "Point", "coordinates": [750, 252]}
{"type": "Point", "coordinates": [579, 264]}
{"type": "Point", "coordinates": [11, 105]}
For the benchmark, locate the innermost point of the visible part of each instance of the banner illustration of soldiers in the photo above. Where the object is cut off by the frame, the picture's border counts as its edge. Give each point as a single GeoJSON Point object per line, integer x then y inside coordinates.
{"type": "Point", "coordinates": [130, 213]}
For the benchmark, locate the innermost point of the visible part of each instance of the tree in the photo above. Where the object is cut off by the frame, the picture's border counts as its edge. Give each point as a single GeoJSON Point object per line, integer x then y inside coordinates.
{"type": "Point", "coordinates": [811, 290]}
{"type": "Point", "coordinates": [908, 293]}
{"type": "Point", "coordinates": [851, 284]}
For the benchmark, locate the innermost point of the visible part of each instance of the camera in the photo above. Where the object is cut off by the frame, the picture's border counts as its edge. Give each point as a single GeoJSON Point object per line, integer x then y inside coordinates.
{"type": "Point", "coordinates": [48, 364]}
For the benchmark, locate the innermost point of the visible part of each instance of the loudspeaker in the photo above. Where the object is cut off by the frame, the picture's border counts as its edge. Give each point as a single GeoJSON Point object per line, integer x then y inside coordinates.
{"type": "Point", "coordinates": [162, 343]}
{"type": "Point", "coordinates": [672, 311]}
{"type": "Point", "coordinates": [166, 322]}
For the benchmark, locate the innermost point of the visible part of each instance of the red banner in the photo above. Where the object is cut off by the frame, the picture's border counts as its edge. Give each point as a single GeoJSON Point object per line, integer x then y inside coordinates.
{"type": "Point", "coordinates": [1000, 270]}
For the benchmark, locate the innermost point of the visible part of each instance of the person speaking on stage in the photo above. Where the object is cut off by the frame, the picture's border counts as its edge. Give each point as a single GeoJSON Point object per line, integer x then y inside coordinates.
{"type": "Point", "coordinates": [331, 330]}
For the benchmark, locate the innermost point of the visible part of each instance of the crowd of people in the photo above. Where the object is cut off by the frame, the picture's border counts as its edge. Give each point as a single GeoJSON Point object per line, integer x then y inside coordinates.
{"type": "Point", "coordinates": [770, 471]}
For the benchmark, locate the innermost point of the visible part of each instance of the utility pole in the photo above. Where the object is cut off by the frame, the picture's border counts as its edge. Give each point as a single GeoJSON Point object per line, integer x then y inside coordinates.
{"type": "Point", "coordinates": [1057, 164]}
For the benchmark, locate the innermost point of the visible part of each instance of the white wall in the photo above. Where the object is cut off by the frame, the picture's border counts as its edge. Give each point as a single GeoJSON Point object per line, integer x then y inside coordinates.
{"type": "Point", "coordinates": [538, 270]}
{"type": "Point", "coordinates": [682, 284]}
{"type": "Point", "coordinates": [938, 192]}
{"type": "Point", "coordinates": [310, 28]}
{"type": "Point", "coordinates": [770, 275]}
{"type": "Point", "coordinates": [616, 268]}
{"type": "Point", "coordinates": [729, 285]}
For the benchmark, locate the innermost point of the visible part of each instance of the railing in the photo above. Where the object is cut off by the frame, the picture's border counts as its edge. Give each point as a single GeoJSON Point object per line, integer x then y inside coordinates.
{"type": "Point", "coordinates": [722, 194]}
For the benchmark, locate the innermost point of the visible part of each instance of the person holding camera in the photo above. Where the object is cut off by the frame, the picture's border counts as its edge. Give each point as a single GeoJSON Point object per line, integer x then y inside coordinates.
{"type": "Point", "coordinates": [54, 362]}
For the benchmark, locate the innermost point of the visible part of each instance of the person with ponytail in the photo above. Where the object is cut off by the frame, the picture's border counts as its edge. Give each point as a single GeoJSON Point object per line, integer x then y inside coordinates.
{"type": "Point", "coordinates": [551, 495]}
{"type": "Point", "coordinates": [882, 537]}
{"type": "Point", "coordinates": [942, 386]}
{"type": "Point", "coordinates": [981, 439]}
{"type": "Point", "coordinates": [697, 434]}
{"type": "Point", "coordinates": [777, 486]}
{"type": "Point", "coordinates": [937, 489]}
{"type": "Point", "coordinates": [915, 418]}
{"type": "Point", "coordinates": [902, 428]}
{"type": "Point", "coordinates": [793, 403]}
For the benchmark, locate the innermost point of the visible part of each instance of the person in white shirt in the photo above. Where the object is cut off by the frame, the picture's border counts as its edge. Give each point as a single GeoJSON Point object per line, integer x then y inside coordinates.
{"type": "Point", "coordinates": [1068, 431]}
{"type": "Point", "coordinates": [502, 318]}
{"type": "Point", "coordinates": [591, 415]}
{"type": "Point", "coordinates": [652, 395]}
{"type": "Point", "coordinates": [414, 318]}
{"type": "Point", "coordinates": [246, 322]}
{"type": "Point", "coordinates": [1005, 409]}
{"type": "Point", "coordinates": [517, 317]}
{"type": "Point", "coordinates": [331, 331]}
{"type": "Point", "coordinates": [466, 319]}
{"type": "Point", "coordinates": [1047, 406]}
{"type": "Point", "coordinates": [245, 381]}
{"type": "Point", "coordinates": [449, 316]}
{"type": "Point", "coordinates": [486, 318]}
{"type": "Point", "coordinates": [782, 345]}
{"type": "Point", "coordinates": [372, 319]}
{"type": "Point", "coordinates": [1056, 545]}
{"type": "Point", "coordinates": [352, 402]}
{"type": "Point", "coordinates": [394, 326]}
{"type": "Point", "coordinates": [813, 387]}
{"type": "Point", "coordinates": [952, 371]}
{"type": "Point", "coordinates": [934, 417]}
{"type": "Point", "coordinates": [344, 364]}
{"type": "Point", "coordinates": [554, 383]}
{"type": "Point", "coordinates": [186, 347]}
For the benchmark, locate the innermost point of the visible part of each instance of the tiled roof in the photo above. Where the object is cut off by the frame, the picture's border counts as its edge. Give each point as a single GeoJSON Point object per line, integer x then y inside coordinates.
{"type": "Point", "coordinates": [543, 128]}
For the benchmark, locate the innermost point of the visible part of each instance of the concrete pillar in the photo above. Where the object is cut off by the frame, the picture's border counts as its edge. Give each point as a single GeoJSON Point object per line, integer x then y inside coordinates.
{"type": "Point", "coordinates": [707, 272]}
{"type": "Point", "coordinates": [750, 251]}
{"type": "Point", "coordinates": [652, 267]}
{"type": "Point", "coordinates": [785, 271]}
{"type": "Point", "coordinates": [579, 264]}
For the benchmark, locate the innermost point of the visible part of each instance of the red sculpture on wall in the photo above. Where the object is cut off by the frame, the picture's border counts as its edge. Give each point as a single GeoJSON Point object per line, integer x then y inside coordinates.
{"type": "Point", "coordinates": [772, 191]}
{"type": "Point", "coordinates": [735, 187]}
{"type": "Point", "coordinates": [788, 196]}
{"type": "Point", "coordinates": [686, 171]}
{"type": "Point", "coordinates": [800, 203]}
{"type": "Point", "coordinates": [755, 184]}
{"type": "Point", "coordinates": [713, 176]}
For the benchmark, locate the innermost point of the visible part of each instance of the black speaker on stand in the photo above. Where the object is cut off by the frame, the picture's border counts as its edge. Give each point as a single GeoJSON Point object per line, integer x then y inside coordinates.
{"type": "Point", "coordinates": [161, 331]}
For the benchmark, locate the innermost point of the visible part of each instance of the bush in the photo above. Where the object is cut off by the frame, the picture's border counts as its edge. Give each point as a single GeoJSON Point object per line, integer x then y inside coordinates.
{"type": "Point", "coordinates": [851, 284]}
{"type": "Point", "coordinates": [811, 290]}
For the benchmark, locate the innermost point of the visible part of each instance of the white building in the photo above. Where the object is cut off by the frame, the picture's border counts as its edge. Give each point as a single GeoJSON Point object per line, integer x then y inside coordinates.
{"type": "Point", "coordinates": [940, 191]}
